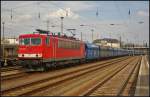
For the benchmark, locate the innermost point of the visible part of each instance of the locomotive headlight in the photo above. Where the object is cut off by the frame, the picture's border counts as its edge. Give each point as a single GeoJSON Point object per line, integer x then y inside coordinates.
{"type": "Point", "coordinates": [38, 55]}
{"type": "Point", "coordinates": [20, 55]}
{"type": "Point", "coordinates": [30, 55]}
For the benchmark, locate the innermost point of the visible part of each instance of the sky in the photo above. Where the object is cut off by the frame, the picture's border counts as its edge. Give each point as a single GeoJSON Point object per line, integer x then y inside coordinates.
{"type": "Point", "coordinates": [22, 17]}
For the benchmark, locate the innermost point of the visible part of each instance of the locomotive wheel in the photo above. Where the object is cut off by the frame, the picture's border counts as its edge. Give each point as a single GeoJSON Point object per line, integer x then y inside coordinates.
{"type": "Point", "coordinates": [45, 69]}
{"type": "Point", "coordinates": [10, 63]}
{"type": "Point", "coordinates": [47, 66]}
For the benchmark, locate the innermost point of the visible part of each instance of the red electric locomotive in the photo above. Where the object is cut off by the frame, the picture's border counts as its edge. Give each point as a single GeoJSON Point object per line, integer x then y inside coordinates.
{"type": "Point", "coordinates": [39, 52]}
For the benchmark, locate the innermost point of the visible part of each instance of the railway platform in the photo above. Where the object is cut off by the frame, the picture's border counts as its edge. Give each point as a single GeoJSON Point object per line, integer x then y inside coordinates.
{"type": "Point", "coordinates": [142, 87]}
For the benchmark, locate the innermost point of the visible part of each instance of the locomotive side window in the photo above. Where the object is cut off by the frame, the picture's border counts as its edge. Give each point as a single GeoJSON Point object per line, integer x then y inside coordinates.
{"type": "Point", "coordinates": [30, 41]}
{"type": "Point", "coordinates": [47, 41]}
{"type": "Point", "coordinates": [68, 44]}
{"type": "Point", "coordinates": [35, 41]}
{"type": "Point", "coordinates": [77, 45]}
{"type": "Point", "coordinates": [21, 41]}
{"type": "Point", "coordinates": [62, 44]}
{"type": "Point", "coordinates": [65, 44]}
{"type": "Point", "coordinates": [74, 45]}
{"type": "Point", "coordinates": [24, 41]}
{"type": "Point", "coordinates": [59, 43]}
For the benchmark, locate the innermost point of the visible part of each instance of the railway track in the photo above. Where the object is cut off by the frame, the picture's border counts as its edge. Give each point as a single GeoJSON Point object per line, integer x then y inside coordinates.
{"type": "Point", "coordinates": [64, 89]}
{"type": "Point", "coordinates": [118, 84]}
{"type": "Point", "coordinates": [17, 71]}
{"type": "Point", "coordinates": [90, 87]}
{"type": "Point", "coordinates": [130, 86]}
{"type": "Point", "coordinates": [15, 74]}
{"type": "Point", "coordinates": [12, 74]}
{"type": "Point", "coordinates": [36, 86]}
{"type": "Point", "coordinates": [10, 68]}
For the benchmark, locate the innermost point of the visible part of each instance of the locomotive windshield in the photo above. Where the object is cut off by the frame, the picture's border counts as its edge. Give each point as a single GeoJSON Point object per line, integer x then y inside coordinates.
{"type": "Point", "coordinates": [24, 41]}
{"type": "Point", "coordinates": [30, 41]}
{"type": "Point", "coordinates": [35, 41]}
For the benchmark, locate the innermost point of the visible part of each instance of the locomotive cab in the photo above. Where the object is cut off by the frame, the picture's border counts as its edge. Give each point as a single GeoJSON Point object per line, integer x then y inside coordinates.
{"type": "Point", "coordinates": [32, 49]}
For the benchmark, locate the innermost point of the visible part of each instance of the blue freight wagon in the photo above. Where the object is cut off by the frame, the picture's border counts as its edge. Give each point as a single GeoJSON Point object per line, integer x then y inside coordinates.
{"type": "Point", "coordinates": [92, 51]}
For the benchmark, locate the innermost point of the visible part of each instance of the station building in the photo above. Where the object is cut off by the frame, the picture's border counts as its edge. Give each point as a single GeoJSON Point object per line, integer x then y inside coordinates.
{"type": "Point", "coordinates": [107, 42]}
{"type": "Point", "coordinates": [9, 48]}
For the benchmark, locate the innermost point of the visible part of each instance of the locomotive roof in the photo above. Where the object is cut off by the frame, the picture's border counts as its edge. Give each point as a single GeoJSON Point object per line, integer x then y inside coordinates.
{"type": "Point", "coordinates": [56, 36]}
{"type": "Point", "coordinates": [28, 35]}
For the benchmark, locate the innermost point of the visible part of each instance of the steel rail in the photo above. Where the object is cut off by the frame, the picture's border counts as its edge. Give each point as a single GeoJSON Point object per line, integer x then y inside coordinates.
{"type": "Point", "coordinates": [96, 86]}
{"type": "Point", "coordinates": [3, 91]}
{"type": "Point", "coordinates": [126, 82]}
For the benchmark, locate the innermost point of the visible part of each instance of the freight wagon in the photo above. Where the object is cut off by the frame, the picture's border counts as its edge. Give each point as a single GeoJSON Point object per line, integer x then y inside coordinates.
{"type": "Point", "coordinates": [9, 54]}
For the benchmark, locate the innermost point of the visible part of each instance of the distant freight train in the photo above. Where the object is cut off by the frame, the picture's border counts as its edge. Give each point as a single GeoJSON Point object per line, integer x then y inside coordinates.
{"type": "Point", "coordinates": [8, 54]}
{"type": "Point", "coordinates": [40, 51]}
